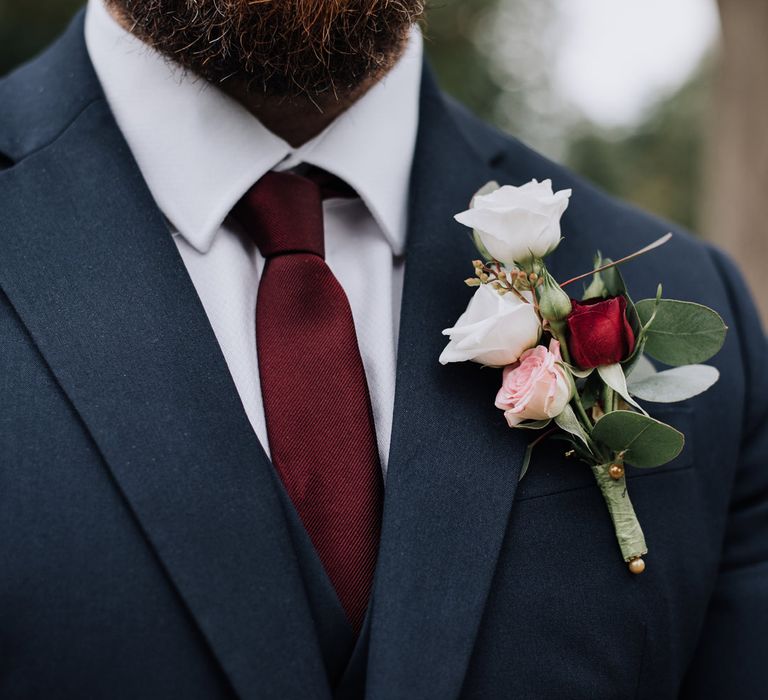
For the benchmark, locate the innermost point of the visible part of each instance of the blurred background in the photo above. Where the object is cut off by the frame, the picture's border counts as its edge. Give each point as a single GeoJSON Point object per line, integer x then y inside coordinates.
{"type": "Point", "coordinates": [662, 103]}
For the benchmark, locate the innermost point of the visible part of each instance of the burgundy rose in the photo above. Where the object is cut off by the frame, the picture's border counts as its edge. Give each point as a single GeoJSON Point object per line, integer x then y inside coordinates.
{"type": "Point", "coordinates": [599, 332]}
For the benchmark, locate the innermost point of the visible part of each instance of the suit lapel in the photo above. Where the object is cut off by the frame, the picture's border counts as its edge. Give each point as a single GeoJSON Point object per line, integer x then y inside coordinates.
{"type": "Point", "coordinates": [89, 266]}
{"type": "Point", "coordinates": [454, 463]}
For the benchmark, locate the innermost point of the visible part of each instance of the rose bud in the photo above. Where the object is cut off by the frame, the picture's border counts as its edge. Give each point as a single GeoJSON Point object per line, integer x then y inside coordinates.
{"type": "Point", "coordinates": [599, 332]}
{"type": "Point", "coordinates": [554, 304]}
{"type": "Point", "coordinates": [536, 387]}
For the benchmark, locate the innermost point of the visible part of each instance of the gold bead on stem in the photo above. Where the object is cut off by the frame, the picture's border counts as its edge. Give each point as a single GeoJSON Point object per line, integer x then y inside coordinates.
{"type": "Point", "coordinates": [637, 566]}
{"type": "Point", "coordinates": [616, 471]}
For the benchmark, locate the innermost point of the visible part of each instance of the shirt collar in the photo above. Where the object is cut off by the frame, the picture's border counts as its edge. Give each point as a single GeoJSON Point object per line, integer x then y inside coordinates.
{"type": "Point", "coordinates": [200, 150]}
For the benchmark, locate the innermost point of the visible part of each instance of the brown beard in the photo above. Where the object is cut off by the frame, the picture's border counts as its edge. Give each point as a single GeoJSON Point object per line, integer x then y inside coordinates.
{"type": "Point", "coordinates": [311, 49]}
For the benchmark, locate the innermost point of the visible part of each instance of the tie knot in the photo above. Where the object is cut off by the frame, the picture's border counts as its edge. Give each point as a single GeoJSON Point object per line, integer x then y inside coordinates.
{"type": "Point", "coordinates": [283, 213]}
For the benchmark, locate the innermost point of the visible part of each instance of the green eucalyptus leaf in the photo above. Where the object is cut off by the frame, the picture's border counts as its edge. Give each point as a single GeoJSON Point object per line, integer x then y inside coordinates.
{"type": "Point", "coordinates": [568, 422]}
{"type": "Point", "coordinates": [526, 461]}
{"type": "Point", "coordinates": [596, 287]}
{"type": "Point", "coordinates": [641, 369]}
{"type": "Point", "coordinates": [640, 327]}
{"type": "Point", "coordinates": [613, 376]}
{"type": "Point", "coordinates": [616, 287]}
{"type": "Point", "coordinates": [673, 385]}
{"type": "Point", "coordinates": [606, 283]}
{"type": "Point", "coordinates": [634, 321]}
{"type": "Point", "coordinates": [645, 441]}
{"type": "Point", "coordinates": [612, 279]}
{"type": "Point", "coordinates": [579, 373]}
{"type": "Point", "coordinates": [534, 424]}
{"type": "Point", "coordinates": [682, 333]}
{"type": "Point", "coordinates": [628, 365]}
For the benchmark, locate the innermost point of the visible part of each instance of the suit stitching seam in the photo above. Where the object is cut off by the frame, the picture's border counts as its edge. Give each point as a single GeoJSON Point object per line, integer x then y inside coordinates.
{"type": "Point", "coordinates": [642, 661]}
{"type": "Point", "coordinates": [60, 133]}
{"type": "Point", "coordinates": [500, 153]}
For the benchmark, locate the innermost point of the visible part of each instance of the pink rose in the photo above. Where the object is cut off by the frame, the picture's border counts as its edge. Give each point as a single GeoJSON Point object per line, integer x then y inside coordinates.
{"type": "Point", "coordinates": [536, 387]}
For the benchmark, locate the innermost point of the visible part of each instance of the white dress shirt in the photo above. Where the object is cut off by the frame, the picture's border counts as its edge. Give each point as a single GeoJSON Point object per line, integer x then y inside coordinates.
{"type": "Point", "coordinates": [199, 151]}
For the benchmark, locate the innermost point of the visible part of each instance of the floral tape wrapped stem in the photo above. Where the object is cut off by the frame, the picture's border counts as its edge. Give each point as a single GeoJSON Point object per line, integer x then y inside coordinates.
{"type": "Point", "coordinates": [628, 531]}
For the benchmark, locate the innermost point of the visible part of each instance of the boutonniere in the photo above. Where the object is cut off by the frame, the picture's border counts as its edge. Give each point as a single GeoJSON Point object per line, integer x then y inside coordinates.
{"type": "Point", "coordinates": [577, 368]}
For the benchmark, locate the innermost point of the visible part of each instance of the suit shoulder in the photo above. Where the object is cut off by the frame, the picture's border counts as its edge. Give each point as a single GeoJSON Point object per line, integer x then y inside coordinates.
{"type": "Point", "coordinates": [41, 97]}
{"type": "Point", "coordinates": [592, 213]}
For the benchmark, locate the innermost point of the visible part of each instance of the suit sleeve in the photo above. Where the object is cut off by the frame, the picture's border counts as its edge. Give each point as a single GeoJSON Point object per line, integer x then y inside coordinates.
{"type": "Point", "coordinates": [732, 657]}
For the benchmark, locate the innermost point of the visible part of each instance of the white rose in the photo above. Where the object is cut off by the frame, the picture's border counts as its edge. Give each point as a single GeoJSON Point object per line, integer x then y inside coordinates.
{"type": "Point", "coordinates": [494, 330]}
{"type": "Point", "coordinates": [516, 223]}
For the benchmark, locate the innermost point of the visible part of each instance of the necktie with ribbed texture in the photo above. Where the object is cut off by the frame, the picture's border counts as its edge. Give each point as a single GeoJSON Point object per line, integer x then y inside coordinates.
{"type": "Point", "coordinates": [314, 389]}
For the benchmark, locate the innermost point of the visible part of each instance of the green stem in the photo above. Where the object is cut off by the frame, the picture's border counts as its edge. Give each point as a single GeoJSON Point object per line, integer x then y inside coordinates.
{"type": "Point", "coordinates": [629, 534]}
{"type": "Point", "coordinates": [608, 398]}
{"type": "Point", "coordinates": [582, 414]}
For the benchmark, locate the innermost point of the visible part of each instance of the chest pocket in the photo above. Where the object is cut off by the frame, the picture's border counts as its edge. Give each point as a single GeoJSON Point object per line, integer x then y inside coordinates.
{"type": "Point", "coordinates": [551, 472]}
{"type": "Point", "coordinates": [561, 583]}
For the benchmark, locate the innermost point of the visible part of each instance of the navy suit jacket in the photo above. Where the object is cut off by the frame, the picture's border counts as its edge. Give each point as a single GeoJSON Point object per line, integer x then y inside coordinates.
{"type": "Point", "coordinates": [145, 547]}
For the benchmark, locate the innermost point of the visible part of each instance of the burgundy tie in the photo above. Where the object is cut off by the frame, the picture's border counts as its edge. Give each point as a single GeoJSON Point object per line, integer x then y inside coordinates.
{"type": "Point", "coordinates": [316, 401]}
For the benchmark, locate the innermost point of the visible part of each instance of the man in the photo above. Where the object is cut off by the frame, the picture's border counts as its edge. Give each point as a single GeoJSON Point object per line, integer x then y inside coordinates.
{"type": "Point", "coordinates": [191, 503]}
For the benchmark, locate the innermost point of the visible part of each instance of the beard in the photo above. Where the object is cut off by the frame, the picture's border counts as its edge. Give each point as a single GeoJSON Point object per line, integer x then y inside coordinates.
{"type": "Point", "coordinates": [312, 49]}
